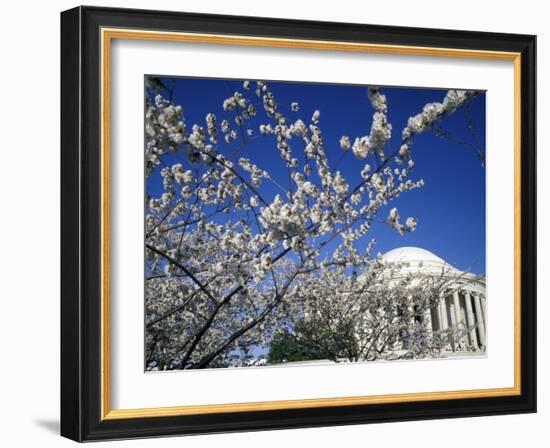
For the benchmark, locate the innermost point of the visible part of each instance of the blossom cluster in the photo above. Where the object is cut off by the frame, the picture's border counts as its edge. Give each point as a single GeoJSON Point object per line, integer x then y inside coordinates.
{"type": "Point", "coordinates": [434, 111]}
{"type": "Point", "coordinates": [393, 221]}
{"type": "Point", "coordinates": [164, 130]}
{"type": "Point", "coordinates": [380, 131]}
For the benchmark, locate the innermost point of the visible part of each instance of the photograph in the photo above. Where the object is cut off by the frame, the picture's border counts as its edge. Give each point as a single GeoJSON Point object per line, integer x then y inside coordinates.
{"type": "Point", "coordinates": [274, 223]}
{"type": "Point", "coordinates": [291, 223]}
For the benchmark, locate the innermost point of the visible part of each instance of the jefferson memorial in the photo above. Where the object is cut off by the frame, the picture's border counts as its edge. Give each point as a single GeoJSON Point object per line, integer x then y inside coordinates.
{"type": "Point", "coordinates": [461, 313]}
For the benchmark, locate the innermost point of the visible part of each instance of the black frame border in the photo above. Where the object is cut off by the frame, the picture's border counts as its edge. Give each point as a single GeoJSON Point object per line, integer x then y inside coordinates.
{"type": "Point", "coordinates": [81, 224]}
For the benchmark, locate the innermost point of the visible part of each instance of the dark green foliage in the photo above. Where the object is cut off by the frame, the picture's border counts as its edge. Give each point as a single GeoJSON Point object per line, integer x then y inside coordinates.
{"type": "Point", "coordinates": [314, 339]}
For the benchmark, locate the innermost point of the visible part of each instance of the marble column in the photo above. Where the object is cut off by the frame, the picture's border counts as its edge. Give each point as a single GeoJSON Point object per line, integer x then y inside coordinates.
{"type": "Point", "coordinates": [438, 318]}
{"type": "Point", "coordinates": [471, 320]}
{"type": "Point", "coordinates": [411, 334]}
{"type": "Point", "coordinates": [454, 340]}
{"type": "Point", "coordinates": [480, 320]}
{"type": "Point", "coordinates": [444, 322]}
{"type": "Point", "coordinates": [460, 324]}
{"type": "Point", "coordinates": [427, 325]}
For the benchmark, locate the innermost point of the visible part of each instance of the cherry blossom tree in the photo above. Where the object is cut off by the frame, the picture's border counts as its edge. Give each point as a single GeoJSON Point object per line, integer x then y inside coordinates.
{"type": "Point", "coordinates": [233, 251]}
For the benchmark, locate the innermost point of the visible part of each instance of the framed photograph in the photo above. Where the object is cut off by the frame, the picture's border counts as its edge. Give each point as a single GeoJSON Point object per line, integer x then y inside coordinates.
{"type": "Point", "coordinates": [276, 224]}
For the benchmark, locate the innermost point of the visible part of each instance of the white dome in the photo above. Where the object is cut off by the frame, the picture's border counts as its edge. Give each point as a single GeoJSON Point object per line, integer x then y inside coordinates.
{"type": "Point", "coordinates": [411, 254]}
{"type": "Point", "coordinates": [414, 260]}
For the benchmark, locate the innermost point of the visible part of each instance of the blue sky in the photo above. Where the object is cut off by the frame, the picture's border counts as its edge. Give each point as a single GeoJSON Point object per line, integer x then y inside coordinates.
{"type": "Point", "coordinates": [450, 208]}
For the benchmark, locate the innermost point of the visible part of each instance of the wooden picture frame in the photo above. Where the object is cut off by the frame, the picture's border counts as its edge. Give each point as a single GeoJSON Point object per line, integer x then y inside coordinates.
{"type": "Point", "coordinates": [86, 36]}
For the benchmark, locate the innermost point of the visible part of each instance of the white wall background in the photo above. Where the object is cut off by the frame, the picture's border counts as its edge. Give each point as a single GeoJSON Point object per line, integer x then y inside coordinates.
{"type": "Point", "coordinates": [29, 317]}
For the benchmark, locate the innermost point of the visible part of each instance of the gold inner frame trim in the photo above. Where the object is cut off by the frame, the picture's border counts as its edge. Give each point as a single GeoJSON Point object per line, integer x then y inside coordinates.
{"type": "Point", "coordinates": [107, 35]}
